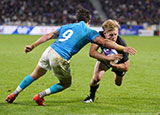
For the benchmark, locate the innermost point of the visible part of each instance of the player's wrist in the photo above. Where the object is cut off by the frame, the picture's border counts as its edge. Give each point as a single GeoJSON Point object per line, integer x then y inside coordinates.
{"type": "Point", "coordinates": [110, 65]}
{"type": "Point", "coordinates": [33, 45]}
{"type": "Point", "coordinates": [120, 48]}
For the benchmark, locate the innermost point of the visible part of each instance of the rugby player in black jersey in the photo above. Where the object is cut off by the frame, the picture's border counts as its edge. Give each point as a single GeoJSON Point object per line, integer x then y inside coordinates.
{"type": "Point", "coordinates": [110, 31]}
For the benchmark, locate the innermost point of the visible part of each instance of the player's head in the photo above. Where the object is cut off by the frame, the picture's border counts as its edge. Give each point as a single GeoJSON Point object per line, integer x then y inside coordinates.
{"type": "Point", "coordinates": [111, 28]}
{"type": "Point", "coordinates": [83, 15]}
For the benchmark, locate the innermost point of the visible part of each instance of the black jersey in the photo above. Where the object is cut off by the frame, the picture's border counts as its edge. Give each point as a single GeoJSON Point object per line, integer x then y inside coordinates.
{"type": "Point", "coordinates": [119, 41]}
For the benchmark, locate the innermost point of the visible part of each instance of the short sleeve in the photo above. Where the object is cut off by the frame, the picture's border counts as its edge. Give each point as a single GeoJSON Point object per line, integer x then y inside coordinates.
{"type": "Point", "coordinates": [93, 34]}
{"type": "Point", "coordinates": [59, 29]}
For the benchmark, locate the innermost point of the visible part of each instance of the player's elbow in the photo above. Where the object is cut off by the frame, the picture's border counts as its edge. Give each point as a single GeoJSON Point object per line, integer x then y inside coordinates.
{"type": "Point", "coordinates": [91, 54]}
{"type": "Point", "coordinates": [126, 68]}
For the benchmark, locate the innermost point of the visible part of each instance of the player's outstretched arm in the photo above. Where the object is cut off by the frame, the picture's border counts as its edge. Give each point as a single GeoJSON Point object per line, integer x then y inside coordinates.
{"type": "Point", "coordinates": [41, 40]}
{"type": "Point", "coordinates": [129, 50]}
{"type": "Point", "coordinates": [121, 66]}
{"type": "Point", "coordinates": [95, 54]}
{"type": "Point", "coordinates": [112, 45]}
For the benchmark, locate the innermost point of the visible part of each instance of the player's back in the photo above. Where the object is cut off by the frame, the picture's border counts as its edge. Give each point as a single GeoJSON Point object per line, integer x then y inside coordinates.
{"type": "Point", "coordinates": [72, 38]}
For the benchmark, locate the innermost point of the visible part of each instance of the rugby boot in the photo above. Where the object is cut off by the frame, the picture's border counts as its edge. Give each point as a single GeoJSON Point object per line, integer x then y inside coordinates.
{"type": "Point", "coordinates": [11, 98]}
{"type": "Point", "coordinates": [39, 100]}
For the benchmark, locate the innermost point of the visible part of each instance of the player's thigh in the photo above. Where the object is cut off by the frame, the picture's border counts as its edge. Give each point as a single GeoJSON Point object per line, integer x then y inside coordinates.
{"type": "Point", "coordinates": [61, 69]}
{"type": "Point", "coordinates": [99, 70]}
{"type": "Point", "coordinates": [63, 75]}
{"type": "Point", "coordinates": [44, 60]}
{"type": "Point", "coordinates": [43, 65]}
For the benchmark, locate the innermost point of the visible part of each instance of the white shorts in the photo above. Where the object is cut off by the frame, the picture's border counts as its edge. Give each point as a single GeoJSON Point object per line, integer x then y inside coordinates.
{"type": "Point", "coordinates": [51, 60]}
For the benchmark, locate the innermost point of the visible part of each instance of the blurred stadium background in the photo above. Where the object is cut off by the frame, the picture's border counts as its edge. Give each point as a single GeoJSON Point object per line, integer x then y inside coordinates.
{"type": "Point", "coordinates": [131, 14]}
{"type": "Point", "coordinates": [139, 94]}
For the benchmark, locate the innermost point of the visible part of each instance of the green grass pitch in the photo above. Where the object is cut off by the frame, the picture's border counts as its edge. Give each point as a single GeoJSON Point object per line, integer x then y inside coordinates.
{"type": "Point", "coordinates": [138, 95]}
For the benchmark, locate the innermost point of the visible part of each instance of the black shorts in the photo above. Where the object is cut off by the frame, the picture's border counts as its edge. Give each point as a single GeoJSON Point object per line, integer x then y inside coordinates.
{"type": "Point", "coordinates": [119, 73]}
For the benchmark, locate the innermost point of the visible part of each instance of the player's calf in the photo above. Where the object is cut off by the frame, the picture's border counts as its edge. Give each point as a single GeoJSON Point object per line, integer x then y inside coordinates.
{"type": "Point", "coordinates": [119, 76]}
{"type": "Point", "coordinates": [91, 97]}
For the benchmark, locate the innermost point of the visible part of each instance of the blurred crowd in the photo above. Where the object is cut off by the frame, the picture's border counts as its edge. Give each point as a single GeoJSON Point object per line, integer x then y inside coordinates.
{"type": "Point", "coordinates": [42, 12]}
{"type": "Point", "coordinates": [133, 12]}
{"type": "Point", "coordinates": [59, 12]}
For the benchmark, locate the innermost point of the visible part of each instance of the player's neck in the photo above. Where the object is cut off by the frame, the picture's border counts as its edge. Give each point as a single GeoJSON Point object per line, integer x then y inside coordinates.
{"type": "Point", "coordinates": [88, 24]}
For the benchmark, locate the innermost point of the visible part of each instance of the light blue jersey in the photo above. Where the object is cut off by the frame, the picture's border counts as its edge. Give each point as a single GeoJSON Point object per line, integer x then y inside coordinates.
{"type": "Point", "coordinates": [72, 38]}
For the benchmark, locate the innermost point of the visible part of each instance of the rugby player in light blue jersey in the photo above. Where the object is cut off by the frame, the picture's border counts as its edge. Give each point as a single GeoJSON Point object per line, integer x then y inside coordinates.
{"type": "Point", "coordinates": [70, 39]}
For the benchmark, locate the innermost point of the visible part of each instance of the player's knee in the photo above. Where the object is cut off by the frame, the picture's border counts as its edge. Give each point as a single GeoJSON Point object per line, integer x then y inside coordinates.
{"type": "Point", "coordinates": [67, 85]}
{"type": "Point", "coordinates": [96, 80]}
{"type": "Point", "coordinates": [118, 83]}
{"type": "Point", "coordinates": [35, 77]}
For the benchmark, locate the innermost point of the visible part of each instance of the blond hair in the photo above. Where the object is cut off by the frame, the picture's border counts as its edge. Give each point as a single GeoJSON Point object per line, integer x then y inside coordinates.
{"type": "Point", "coordinates": [110, 25]}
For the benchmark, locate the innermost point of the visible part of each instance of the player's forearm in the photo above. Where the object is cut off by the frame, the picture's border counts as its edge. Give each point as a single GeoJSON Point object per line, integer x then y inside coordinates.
{"type": "Point", "coordinates": [112, 45]}
{"type": "Point", "coordinates": [121, 67]}
{"type": "Point", "coordinates": [98, 56]}
{"type": "Point", "coordinates": [108, 43]}
{"type": "Point", "coordinates": [95, 54]}
{"type": "Point", "coordinates": [52, 35]}
{"type": "Point", "coordinates": [42, 40]}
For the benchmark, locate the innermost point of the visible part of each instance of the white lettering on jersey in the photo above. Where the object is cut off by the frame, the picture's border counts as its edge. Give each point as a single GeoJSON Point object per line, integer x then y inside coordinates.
{"type": "Point", "coordinates": [67, 34]}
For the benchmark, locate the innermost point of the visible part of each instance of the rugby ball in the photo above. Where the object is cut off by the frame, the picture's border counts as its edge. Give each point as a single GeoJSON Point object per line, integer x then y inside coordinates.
{"type": "Point", "coordinates": [110, 52]}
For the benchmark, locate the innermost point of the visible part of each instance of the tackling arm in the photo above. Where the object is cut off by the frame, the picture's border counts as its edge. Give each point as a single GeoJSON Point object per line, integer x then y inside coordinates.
{"type": "Point", "coordinates": [95, 54]}
{"type": "Point", "coordinates": [41, 40]}
{"type": "Point", "coordinates": [112, 45]}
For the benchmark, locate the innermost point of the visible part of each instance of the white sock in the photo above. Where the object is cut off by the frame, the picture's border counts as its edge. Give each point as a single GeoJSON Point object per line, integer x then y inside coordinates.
{"type": "Point", "coordinates": [45, 92]}
{"type": "Point", "coordinates": [18, 90]}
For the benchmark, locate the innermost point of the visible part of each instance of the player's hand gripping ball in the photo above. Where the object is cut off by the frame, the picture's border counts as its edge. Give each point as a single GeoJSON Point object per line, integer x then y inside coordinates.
{"type": "Point", "coordinates": [110, 52]}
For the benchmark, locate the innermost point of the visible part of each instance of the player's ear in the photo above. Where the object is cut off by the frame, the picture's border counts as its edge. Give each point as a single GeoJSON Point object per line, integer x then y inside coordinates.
{"type": "Point", "coordinates": [104, 32]}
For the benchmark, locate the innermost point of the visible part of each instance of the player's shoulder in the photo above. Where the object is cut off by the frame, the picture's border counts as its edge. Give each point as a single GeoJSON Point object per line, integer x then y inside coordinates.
{"type": "Point", "coordinates": [82, 24]}
{"type": "Point", "coordinates": [77, 26]}
{"type": "Point", "coordinates": [121, 41]}
{"type": "Point", "coordinates": [72, 26]}
{"type": "Point", "coordinates": [68, 25]}
{"type": "Point", "coordinates": [101, 33]}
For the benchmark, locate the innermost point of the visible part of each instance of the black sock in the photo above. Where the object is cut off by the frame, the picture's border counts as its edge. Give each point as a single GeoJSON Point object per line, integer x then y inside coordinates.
{"type": "Point", "coordinates": [93, 90]}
